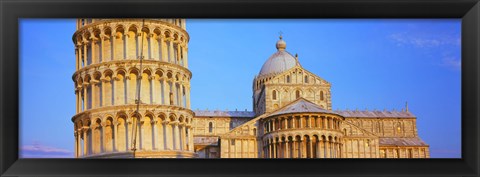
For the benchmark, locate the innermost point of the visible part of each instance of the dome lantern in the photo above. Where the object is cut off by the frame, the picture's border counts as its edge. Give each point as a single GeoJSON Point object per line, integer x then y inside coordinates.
{"type": "Point", "coordinates": [281, 44]}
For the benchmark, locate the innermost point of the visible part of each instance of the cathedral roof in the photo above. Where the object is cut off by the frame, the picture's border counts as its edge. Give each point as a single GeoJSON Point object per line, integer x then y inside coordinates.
{"type": "Point", "coordinates": [375, 114]}
{"type": "Point", "coordinates": [208, 113]}
{"type": "Point", "coordinates": [301, 105]}
{"type": "Point", "coordinates": [394, 141]}
{"type": "Point", "coordinates": [279, 62]}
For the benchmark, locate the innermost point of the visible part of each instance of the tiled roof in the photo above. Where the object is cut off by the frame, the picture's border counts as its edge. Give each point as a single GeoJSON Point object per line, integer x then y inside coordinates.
{"type": "Point", "coordinates": [301, 106]}
{"type": "Point", "coordinates": [415, 141]}
{"type": "Point", "coordinates": [208, 113]}
{"type": "Point", "coordinates": [375, 114]}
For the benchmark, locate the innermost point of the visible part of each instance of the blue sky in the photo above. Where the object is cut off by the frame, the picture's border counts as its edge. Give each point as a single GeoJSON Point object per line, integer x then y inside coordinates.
{"type": "Point", "coordinates": [372, 64]}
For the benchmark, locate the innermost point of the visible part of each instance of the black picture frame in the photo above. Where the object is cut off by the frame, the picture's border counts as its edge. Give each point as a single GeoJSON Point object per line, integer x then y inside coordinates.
{"type": "Point", "coordinates": [11, 11]}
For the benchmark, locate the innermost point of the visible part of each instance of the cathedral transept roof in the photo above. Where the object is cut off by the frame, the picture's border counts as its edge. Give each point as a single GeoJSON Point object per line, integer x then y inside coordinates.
{"type": "Point", "coordinates": [301, 105]}
{"type": "Point", "coordinates": [375, 114]}
{"type": "Point", "coordinates": [394, 141]}
{"type": "Point", "coordinates": [217, 113]}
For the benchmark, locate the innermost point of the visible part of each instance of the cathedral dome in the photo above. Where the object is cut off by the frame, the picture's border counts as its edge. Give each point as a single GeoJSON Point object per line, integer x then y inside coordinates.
{"type": "Point", "coordinates": [280, 61]}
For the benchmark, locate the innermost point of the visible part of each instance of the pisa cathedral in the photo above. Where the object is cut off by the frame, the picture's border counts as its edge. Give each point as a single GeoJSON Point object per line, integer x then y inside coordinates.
{"type": "Point", "coordinates": [129, 107]}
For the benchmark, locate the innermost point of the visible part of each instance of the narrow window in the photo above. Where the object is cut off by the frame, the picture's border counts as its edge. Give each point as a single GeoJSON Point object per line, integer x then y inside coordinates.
{"type": "Point", "coordinates": [297, 93]}
{"type": "Point", "coordinates": [321, 95]}
{"type": "Point", "coordinates": [274, 95]}
{"type": "Point", "coordinates": [232, 142]}
{"type": "Point", "coordinates": [254, 132]}
{"type": "Point", "coordinates": [306, 79]}
{"type": "Point", "coordinates": [210, 127]}
{"type": "Point", "coordinates": [288, 79]}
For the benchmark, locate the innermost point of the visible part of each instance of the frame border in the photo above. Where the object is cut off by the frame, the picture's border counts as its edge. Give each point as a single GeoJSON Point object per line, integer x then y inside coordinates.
{"type": "Point", "coordinates": [11, 11]}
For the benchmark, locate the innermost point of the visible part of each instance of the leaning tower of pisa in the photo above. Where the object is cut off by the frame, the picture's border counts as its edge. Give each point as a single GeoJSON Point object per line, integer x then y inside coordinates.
{"type": "Point", "coordinates": [106, 82]}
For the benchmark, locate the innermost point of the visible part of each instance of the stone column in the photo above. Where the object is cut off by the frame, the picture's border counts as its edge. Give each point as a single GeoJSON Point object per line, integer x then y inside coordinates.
{"type": "Point", "coordinates": [287, 148]}
{"type": "Point", "coordinates": [93, 143]}
{"type": "Point", "coordinates": [168, 134]}
{"type": "Point", "coordinates": [318, 148]}
{"type": "Point", "coordinates": [76, 58]}
{"type": "Point", "coordinates": [161, 49]}
{"type": "Point", "coordinates": [115, 142]}
{"type": "Point", "coordinates": [150, 51]}
{"type": "Point", "coordinates": [170, 49]}
{"type": "Point", "coordinates": [325, 122]}
{"type": "Point", "coordinates": [161, 134]}
{"type": "Point", "coordinates": [139, 45]}
{"type": "Point", "coordinates": [102, 139]}
{"type": "Point", "coordinates": [101, 56]}
{"type": "Point", "coordinates": [92, 45]}
{"type": "Point", "coordinates": [76, 143]}
{"type": "Point", "coordinates": [301, 122]}
{"type": "Point", "coordinates": [140, 130]}
{"type": "Point", "coordinates": [184, 137]}
{"type": "Point", "coordinates": [114, 87]}
{"type": "Point", "coordinates": [153, 124]}
{"type": "Point", "coordinates": [180, 137]}
{"type": "Point", "coordinates": [153, 96]}
{"type": "Point", "coordinates": [94, 93]}
{"type": "Point", "coordinates": [79, 52]}
{"type": "Point", "coordinates": [274, 148]}
{"type": "Point", "coordinates": [127, 88]}
{"type": "Point", "coordinates": [85, 141]}
{"type": "Point", "coordinates": [185, 56]}
{"type": "Point", "coordinates": [269, 149]}
{"type": "Point", "coordinates": [311, 148]}
{"type": "Point", "coordinates": [85, 56]}
{"type": "Point", "coordinates": [125, 46]}
{"type": "Point", "coordinates": [76, 101]}
{"type": "Point", "coordinates": [188, 96]}
{"type": "Point", "coordinates": [164, 92]}
{"type": "Point", "coordinates": [174, 92]}
{"type": "Point", "coordinates": [340, 150]}
{"type": "Point", "coordinates": [102, 97]}
{"type": "Point", "coordinates": [177, 136]}
{"type": "Point", "coordinates": [294, 151]}
{"type": "Point", "coordinates": [85, 96]}
{"type": "Point", "coordinates": [129, 133]}
{"type": "Point", "coordinates": [327, 147]}
{"type": "Point", "coordinates": [178, 54]}
{"type": "Point", "coordinates": [114, 38]}
{"type": "Point", "coordinates": [182, 90]}
{"type": "Point", "coordinates": [322, 149]}
{"type": "Point", "coordinates": [191, 138]}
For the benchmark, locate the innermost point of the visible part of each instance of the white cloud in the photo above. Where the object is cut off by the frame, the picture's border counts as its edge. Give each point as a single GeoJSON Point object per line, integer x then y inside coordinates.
{"type": "Point", "coordinates": [451, 62]}
{"type": "Point", "coordinates": [423, 41]}
{"type": "Point", "coordinates": [38, 150]}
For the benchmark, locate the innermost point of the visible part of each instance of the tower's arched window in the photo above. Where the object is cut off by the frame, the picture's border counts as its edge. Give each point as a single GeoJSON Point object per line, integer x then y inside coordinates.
{"type": "Point", "coordinates": [297, 94]}
{"type": "Point", "coordinates": [306, 79]}
{"type": "Point", "coordinates": [274, 95]}
{"type": "Point", "coordinates": [321, 95]}
{"type": "Point", "coordinates": [210, 127]}
{"type": "Point", "coordinates": [288, 79]}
